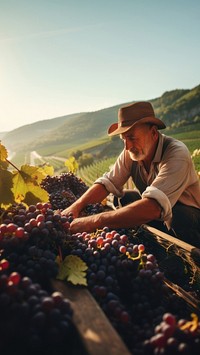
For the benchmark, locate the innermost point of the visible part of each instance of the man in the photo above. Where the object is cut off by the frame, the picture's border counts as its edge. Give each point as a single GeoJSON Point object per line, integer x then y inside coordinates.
{"type": "Point", "coordinates": [167, 189]}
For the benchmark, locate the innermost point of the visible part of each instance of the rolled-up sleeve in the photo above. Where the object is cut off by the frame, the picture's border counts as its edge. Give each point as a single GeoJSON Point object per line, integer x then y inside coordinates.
{"type": "Point", "coordinates": [175, 174]}
{"type": "Point", "coordinates": [162, 199]}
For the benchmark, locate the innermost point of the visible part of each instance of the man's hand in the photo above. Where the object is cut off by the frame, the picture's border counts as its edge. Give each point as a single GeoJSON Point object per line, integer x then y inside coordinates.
{"type": "Point", "coordinates": [83, 224]}
{"type": "Point", "coordinates": [71, 210]}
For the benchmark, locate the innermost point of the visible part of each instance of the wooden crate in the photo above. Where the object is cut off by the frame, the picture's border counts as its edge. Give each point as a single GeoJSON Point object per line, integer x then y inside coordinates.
{"type": "Point", "coordinates": [94, 329]}
{"type": "Point", "coordinates": [179, 261]}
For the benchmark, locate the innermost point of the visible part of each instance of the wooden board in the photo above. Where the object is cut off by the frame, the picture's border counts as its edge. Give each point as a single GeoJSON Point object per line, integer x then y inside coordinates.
{"type": "Point", "coordinates": [95, 330]}
{"type": "Point", "coordinates": [192, 251]}
{"type": "Point", "coordinates": [169, 238]}
{"type": "Point", "coordinates": [180, 249]}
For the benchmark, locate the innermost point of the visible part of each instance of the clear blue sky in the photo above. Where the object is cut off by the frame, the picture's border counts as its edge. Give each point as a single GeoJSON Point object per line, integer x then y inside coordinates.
{"type": "Point", "coordinates": [65, 56]}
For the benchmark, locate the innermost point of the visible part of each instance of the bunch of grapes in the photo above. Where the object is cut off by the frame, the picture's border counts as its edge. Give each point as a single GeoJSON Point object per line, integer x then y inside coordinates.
{"type": "Point", "coordinates": [32, 320]}
{"type": "Point", "coordinates": [38, 264]}
{"type": "Point", "coordinates": [93, 209]}
{"type": "Point", "coordinates": [174, 337]}
{"type": "Point", "coordinates": [31, 238]}
{"type": "Point", "coordinates": [36, 225]}
{"type": "Point", "coordinates": [63, 189]}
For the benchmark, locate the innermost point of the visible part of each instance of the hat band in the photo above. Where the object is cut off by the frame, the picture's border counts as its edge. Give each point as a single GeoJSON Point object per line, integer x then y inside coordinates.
{"type": "Point", "coordinates": [126, 123]}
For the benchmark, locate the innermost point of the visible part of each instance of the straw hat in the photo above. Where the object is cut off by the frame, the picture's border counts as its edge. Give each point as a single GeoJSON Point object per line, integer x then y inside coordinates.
{"type": "Point", "coordinates": [136, 113]}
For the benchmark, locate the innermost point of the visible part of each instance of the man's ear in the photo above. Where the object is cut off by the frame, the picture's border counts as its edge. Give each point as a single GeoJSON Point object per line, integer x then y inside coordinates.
{"type": "Point", "coordinates": [154, 132]}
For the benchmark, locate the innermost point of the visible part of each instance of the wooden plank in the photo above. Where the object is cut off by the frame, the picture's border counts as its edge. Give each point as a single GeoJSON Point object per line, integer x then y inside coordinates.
{"type": "Point", "coordinates": [190, 300]}
{"type": "Point", "coordinates": [169, 238]}
{"type": "Point", "coordinates": [95, 330]}
{"type": "Point", "coordinates": [191, 251]}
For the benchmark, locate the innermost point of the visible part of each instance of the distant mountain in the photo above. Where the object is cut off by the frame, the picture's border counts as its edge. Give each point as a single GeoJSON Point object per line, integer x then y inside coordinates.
{"type": "Point", "coordinates": [2, 134]}
{"type": "Point", "coordinates": [177, 105]}
{"type": "Point", "coordinates": [75, 129]}
{"type": "Point", "coordinates": [22, 136]}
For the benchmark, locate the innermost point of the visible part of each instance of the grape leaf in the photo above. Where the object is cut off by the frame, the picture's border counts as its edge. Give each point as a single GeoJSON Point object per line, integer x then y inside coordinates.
{"type": "Point", "coordinates": [71, 164]}
{"type": "Point", "coordinates": [27, 180]}
{"type": "Point", "coordinates": [73, 269]}
{"type": "Point", "coordinates": [35, 194]}
{"type": "Point", "coordinates": [6, 183]}
{"type": "Point", "coordinates": [3, 153]}
{"type": "Point", "coordinates": [33, 173]}
{"type": "Point", "coordinates": [47, 170]}
{"type": "Point", "coordinates": [4, 164]}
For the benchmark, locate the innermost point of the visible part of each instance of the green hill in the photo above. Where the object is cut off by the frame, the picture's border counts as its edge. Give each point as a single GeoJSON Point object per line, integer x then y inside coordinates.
{"type": "Point", "coordinates": [87, 131]}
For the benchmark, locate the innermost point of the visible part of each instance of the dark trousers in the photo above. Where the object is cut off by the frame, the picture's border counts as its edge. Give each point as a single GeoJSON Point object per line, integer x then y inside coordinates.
{"type": "Point", "coordinates": [185, 219]}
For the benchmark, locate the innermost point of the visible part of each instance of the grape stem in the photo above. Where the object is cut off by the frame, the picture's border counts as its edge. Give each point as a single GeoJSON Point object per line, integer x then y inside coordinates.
{"type": "Point", "coordinates": [135, 257]}
{"type": "Point", "coordinates": [191, 325]}
{"type": "Point", "coordinates": [9, 162]}
{"type": "Point", "coordinates": [60, 254]}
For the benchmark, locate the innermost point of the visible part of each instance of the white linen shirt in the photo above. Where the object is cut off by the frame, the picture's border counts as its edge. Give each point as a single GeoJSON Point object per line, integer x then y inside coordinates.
{"type": "Point", "coordinates": [171, 178]}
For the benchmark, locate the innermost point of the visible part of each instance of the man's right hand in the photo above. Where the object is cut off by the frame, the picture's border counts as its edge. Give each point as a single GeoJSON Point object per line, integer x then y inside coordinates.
{"type": "Point", "coordinates": [71, 210]}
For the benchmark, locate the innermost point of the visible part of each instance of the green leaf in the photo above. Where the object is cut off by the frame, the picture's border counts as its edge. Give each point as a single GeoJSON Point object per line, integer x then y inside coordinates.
{"type": "Point", "coordinates": [73, 269]}
{"type": "Point", "coordinates": [3, 153]}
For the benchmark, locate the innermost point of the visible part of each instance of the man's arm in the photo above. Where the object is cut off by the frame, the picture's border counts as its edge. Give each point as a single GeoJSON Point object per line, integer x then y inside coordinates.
{"type": "Point", "coordinates": [129, 216]}
{"type": "Point", "coordinates": [96, 193]}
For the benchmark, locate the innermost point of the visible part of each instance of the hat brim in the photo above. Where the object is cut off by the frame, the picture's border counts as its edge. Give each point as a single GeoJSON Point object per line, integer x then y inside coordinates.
{"type": "Point", "coordinates": [115, 129]}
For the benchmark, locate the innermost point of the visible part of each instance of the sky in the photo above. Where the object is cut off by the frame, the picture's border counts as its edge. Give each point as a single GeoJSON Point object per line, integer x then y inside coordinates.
{"type": "Point", "coordinates": [59, 57]}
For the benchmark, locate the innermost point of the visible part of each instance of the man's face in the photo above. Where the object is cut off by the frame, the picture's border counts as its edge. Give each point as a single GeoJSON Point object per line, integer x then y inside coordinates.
{"type": "Point", "coordinates": [139, 141]}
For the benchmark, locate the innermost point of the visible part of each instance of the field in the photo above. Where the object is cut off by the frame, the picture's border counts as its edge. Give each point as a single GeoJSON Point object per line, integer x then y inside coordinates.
{"type": "Point", "coordinates": [104, 150]}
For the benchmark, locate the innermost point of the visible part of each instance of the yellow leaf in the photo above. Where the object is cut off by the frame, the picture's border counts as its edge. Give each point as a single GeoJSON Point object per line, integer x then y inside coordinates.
{"type": "Point", "coordinates": [35, 194]}
{"type": "Point", "coordinates": [3, 153]}
{"type": "Point", "coordinates": [33, 173]}
{"type": "Point", "coordinates": [47, 170]}
{"type": "Point", "coordinates": [6, 183]}
{"type": "Point", "coordinates": [73, 269]}
{"type": "Point", "coordinates": [71, 164]}
{"type": "Point", "coordinates": [4, 164]}
{"type": "Point", "coordinates": [26, 186]}
{"type": "Point", "coordinates": [19, 186]}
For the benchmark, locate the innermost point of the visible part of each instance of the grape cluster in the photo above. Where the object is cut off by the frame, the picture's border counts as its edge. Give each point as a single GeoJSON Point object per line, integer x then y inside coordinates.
{"type": "Point", "coordinates": [32, 320]}
{"type": "Point", "coordinates": [174, 337]}
{"type": "Point", "coordinates": [63, 189]}
{"type": "Point", "coordinates": [38, 224]}
{"type": "Point", "coordinates": [38, 264]}
{"type": "Point", "coordinates": [31, 238]}
{"type": "Point", "coordinates": [93, 209]}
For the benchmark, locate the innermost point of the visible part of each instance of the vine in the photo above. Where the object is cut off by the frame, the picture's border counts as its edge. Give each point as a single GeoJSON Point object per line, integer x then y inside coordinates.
{"type": "Point", "coordinates": [21, 185]}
